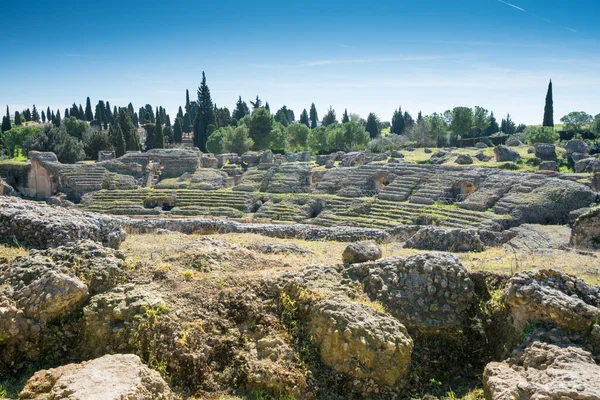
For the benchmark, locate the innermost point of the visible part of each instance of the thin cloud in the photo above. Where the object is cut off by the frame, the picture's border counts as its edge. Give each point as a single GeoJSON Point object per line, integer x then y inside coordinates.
{"type": "Point", "coordinates": [532, 14]}
{"type": "Point", "coordinates": [571, 29]}
{"type": "Point", "coordinates": [345, 46]}
{"type": "Point", "coordinates": [325, 62]}
{"type": "Point", "coordinates": [513, 6]}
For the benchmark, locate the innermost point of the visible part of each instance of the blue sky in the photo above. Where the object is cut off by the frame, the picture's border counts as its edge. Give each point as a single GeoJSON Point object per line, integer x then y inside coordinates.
{"type": "Point", "coordinates": [370, 56]}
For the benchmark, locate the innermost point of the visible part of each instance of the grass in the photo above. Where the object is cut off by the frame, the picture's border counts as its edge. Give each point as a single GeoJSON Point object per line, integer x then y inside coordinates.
{"type": "Point", "coordinates": [11, 252]}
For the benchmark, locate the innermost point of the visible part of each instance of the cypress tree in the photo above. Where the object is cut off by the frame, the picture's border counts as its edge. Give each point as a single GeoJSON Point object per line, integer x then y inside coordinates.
{"type": "Point", "coordinates": [117, 138]}
{"type": "Point", "coordinates": [167, 120]}
{"type": "Point", "coordinates": [372, 125]}
{"type": "Point", "coordinates": [130, 133]}
{"type": "Point", "coordinates": [74, 112]}
{"type": "Point", "coordinates": [180, 113]}
{"type": "Point", "coordinates": [159, 137]}
{"type": "Point", "coordinates": [67, 115]}
{"type": "Point", "coordinates": [114, 114]}
{"type": "Point", "coordinates": [267, 106]}
{"type": "Point", "coordinates": [314, 117]}
{"type": "Point", "coordinates": [187, 101]}
{"type": "Point", "coordinates": [6, 126]}
{"type": "Point", "coordinates": [178, 130]}
{"type": "Point", "coordinates": [57, 119]}
{"type": "Point", "coordinates": [397, 122]}
{"type": "Point", "coordinates": [48, 114]}
{"type": "Point", "coordinates": [27, 115]}
{"type": "Point", "coordinates": [549, 108]}
{"type": "Point", "coordinates": [89, 116]}
{"type": "Point", "coordinates": [345, 117]}
{"type": "Point", "coordinates": [80, 113]}
{"type": "Point", "coordinates": [205, 116]}
{"type": "Point", "coordinates": [186, 123]}
{"type": "Point", "coordinates": [7, 112]}
{"type": "Point", "coordinates": [35, 115]}
{"type": "Point", "coordinates": [17, 118]}
{"type": "Point", "coordinates": [108, 113]}
{"type": "Point", "coordinates": [43, 117]}
{"type": "Point", "coordinates": [304, 118]}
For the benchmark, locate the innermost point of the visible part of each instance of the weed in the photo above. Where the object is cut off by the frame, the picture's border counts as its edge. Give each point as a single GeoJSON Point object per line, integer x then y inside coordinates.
{"type": "Point", "coordinates": [187, 275]}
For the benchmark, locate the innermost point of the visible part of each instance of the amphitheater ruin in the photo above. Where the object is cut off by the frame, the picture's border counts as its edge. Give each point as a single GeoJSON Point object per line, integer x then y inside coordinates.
{"type": "Point", "coordinates": [176, 274]}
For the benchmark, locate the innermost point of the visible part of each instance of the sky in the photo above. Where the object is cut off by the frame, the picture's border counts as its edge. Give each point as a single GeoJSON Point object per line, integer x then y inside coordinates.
{"type": "Point", "coordinates": [373, 56]}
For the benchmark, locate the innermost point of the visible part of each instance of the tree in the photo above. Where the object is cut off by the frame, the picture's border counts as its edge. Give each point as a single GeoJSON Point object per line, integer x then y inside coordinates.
{"type": "Point", "coordinates": [541, 134]}
{"type": "Point", "coordinates": [75, 127]}
{"type": "Point", "coordinates": [317, 140]}
{"type": "Point", "coordinates": [256, 103]}
{"type": "Point", "coordinates": [88, 111]}
{"type": "Point", "coordinates": [493, 126]}
{"type": "Point", "coordinates": [241, 109]}
{"type": "Point", "coordinates": [187, 123]}
{"type": "Point", "coordinates": [409, 122]}
{"type": "Point", "coordinates": [81, 113]}
{"type": "Point", "coordinates": [130, 133]}
{"type": "Point", "coordinates": [115, 133]}
{"type": "Point", "coordinates": [57, 120]}
{"type": "Point", "coordinates": [297, 135]}
{"type": "Point", "coordinates": [6, 125]}
{"type": "Point", "coordinates": [35, 115]}
{"type": "Point", "coordinates": [178, 130]}
{"type": "Point", "coordinates": [267, 106]}
{"type": "Point", "coordinates": [329, 118]}
{"type": "Point", "coordinates": [17, 118]}
{"type": "Point", "coordinates": [94, 142]}
{"type": "Point", "coordinates": [222, 116]}
{"type": "Point", "coordinates": [507, 125]}
{"type": "Point", "coordinates": [277, 137]}
{"type": "Point", "coordinates": [576, 120]}
{"type": "Point", "coordinates": [421, 134]}
{"type": "Point", "coordinates": [372, 125]}
{"type": "Point", "coordinates": [238, 140]}
{"type": "Point", "coordinates": [314, 118]}
{"type": "Point", "coordinates": [27, 115]}
{"type": "Point", "coordinates": [180, 113]}
{"type": "Point", "coordinates": [205, 116]}
{"type": "Point", "coordinates": [397, 122]}
{"type": "Point", "coordinates": [260, 126]}
{"type": "Point", "coordinates": [439, 129]}
{"type": "Point", "coordinates": [304, 118]}
{"type": "Point", "coordinates": [481, 120]}
{"type": "Point", "coordinates": [187, 101]}
{"type": "Point", "coordinates": [281, 117]}
{"type": "Point", "coordinates": [159, 137]}
{"type": "Point", "coordinates": [462, 122]}
{"type": "Point", "coordinates": [595, 129]}
{"type": "Point", "coordinates": [355, 136]}
{"type": "Point", "coordinates": [7, 112]}
{"type": "Point", "coordinates": [419, 117]}
{"type": "Point", "coordinates": [549, 108]}
{"type": "Point", "coordinates": [345, 117]}
{"type": "Point", "coordinates": [150, 129]}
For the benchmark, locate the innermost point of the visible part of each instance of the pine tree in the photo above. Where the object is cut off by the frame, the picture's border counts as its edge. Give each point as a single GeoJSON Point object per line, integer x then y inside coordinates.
{"type": "Point", "coordinates": [304, 118]}
{"type": "Point", "coordinates": [314, 118]}
{"type": "Point", "coordinates": [267, 106]}
{"type": "Point", "coordinates": [241, 109]}
{"type": "Point", "coordinates": [205, 116]}
{"type": "Point", "coordinates": [372, 125]}
{"type": "Point", "coordinates": [345, 117]}
{"type": "Point", "coordinates": [408, 121]}
{"type": "Point", "coordinates": [330, 117]}
{"type": "Point", "coordinates": [159, 137]}
{"type": "Point", "coordinates": [178, 130]}
{"type": "Point", "coordinates": [256, 103]}
{"type": "Point", "coordinates": [397, 122]}
{"type": "Point", "coordinates": [35, 115]}
{"type": "Point", "coordinates": [17, 118]}
{"type": "Point", "coordinates": [43, 117]}
{"type": "Point", "coordinates": [549, 108]}
{"type": "Point", "coordinates": [493, 127]}
{"type": "Point", "coordinates": [88, 111]}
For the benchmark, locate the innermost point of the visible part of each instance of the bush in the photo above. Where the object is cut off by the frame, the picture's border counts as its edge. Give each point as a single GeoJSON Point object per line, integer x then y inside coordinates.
{"type": "Point", "coordinates": [297, 137]}
{"type": "Point", "coordinates": [67, 148]}
{"type": "Point", "coordinates": [230, 140]}
{"type": "Point", "coordinates": [541, 134]}
{"type": "Point", "coordinates": [15, 140]}
{"type": "Point", "coordinates": [388, 143]}
{"type": "Point", "coordinates": [94, 142]}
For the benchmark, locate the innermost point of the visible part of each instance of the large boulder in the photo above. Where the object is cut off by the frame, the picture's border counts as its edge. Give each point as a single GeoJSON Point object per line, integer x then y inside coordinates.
{"type": "Point", "coordinates": [555, 297]}
{"type": "Point", "coordinates": [361, 342]}
{"type": "Point", "coordinates": [513, 142]}
{"type": "Point", "coordinates": [586, 230]}
{"type": "Point", "coordinates": [481, 145]}
{"type": "Point", "coordinates": [40, 225]}
{"type": "Point", "coordinates": [430, 293]}
{"type": "Point", "coordinates": [454, 240]}
{"type": "Point", "coordinates": [505, 153]}
{"type": "Point", "coordinates": [361, 252]}
{"type": "Point", "coordinates": [6, 189]}
{"type": "Point", "coordinates": [589, 164]}
{"type": "Point", "coordinates": [480, 155]}
{"type": "Point", "coordinates": [111, 377]}
{"type": "Point", "coordinates": [266, 157]}
{"type": "Point", "coordinates": [576, 146]}
{"type": "Point", "coordinates": [544, 371]}
{"type": "Point", "coordinates": [548, 166]}
{"type": "Point", "coordinates": [545, 151]}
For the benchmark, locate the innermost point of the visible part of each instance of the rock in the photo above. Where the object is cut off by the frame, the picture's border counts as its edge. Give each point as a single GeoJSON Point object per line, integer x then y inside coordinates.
{"type": "Point", "coordinates": [535, 238]}
{"type": "Point", "coordinates": [60, 199]}
{"type": "Point", "coordinates": [454, 240]}
{"type": "Point", "coordinates": [430, 293]}
{"type": "Point", "coordinates": [552, 296]}
{"type": "Point", "coordinates": [548, 166]}
{"type": "Point", "coordinates": [208, 161]}
{"type": "Point", "coordinates": [251, 158]}
{"type": "Point", "coordinates": [481, 145]}
{"type": "Point", "coordinates": [6, 189]}
{"type": "Point", "coordinates": [427, 150]}
{"type": "Point", "coordinates": [266, 157]}
{"type": "Point", "coordinates": [396, 154]}
{"type": "Point", "coordinates": [361, 252]}
{"type": "Point", "coordinates": [482, 157]}
{"type": "Point", "coordinates": [545, 151]}
{"type": "Point", "coordinates": [589, 164]}
{"type": "Point", "coordinates": [578, 157]}
{"type": "Point", "coordinates": [322, 159]}
{"type": "Point", "coordinates": [544, 371]}
{"type": "Point", "coordinates": [329, 164]}
{"type": "Point", "coordinates": [361, 342]}
{"type": "Point", "coordinates": [513, 142]}
{"type": "Point", "coordinates": [576, 146]}
{"type": "Point", "coordinates": [279, 248]}
{"type": "Point", "coordinates": [586, 230]}
{"type": "Point", "coordinates": [531, 150]}
{"type": "Point", "coordinates": [505, 153]}
{"type": "Point", "coordinates": [439, 157]}
{"type": "Point", "coordinates": [109, 318]}
{"type": "Point", "coordinates": [464, 159]}
{"type": "Point", "coordinates": [111, 377]}
{"type": "Point", "coordinates": [380, 157]}
{"type": "Point", "coordinates": [535, 161]}
{"type": "Point", "coordinates": [40, 225]}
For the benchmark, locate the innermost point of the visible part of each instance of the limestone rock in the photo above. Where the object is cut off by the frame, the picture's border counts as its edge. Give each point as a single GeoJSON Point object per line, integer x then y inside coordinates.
{"type": "Point", "coordinates": [481, 156]}
{"type": "Point", "coordinates": [6, 189]}
{"type": "Point", "coordinates": [589, 164]}
{"type": "Point", "coordinates": [505, 153]}
{"type": "Point", "coordinates": [576, 146]}
{"type": "Point", "coordinates": [586, 230]}
{"type": "Point", "coordinates": [359, 341]}
{"type": "Point", "coordinates": [396, 154]}
{"type": "Point", "coordinates": [329, 164]}
{"type": "Point", "coordinates": [544, 371]}
{"type": "Point", "coordinates": [439, 157]}
{"type": "Point", "coordinates": [513, 142]}
{"type": "Point", "coordinates": [555, 297]}
{"type": "Point", "coordinates": [545, 151]}
{"type": "Point", "coordinates": [427, 292]}
{"type": "Point", "coordinates": [427, 150]}
{"type": "Point", "coordinates": [111, 377]}
{"type": "Point", "coordinates": [548, 166]}
{"type": "Point", "coordinates": [455, 240]}
{"type": "Point", "coordinates": [361, 252]}
{"type": "Point", "coordinates": [578, 156]}
{"type": "Point", "coordinates": [266, 157]}
{"type": "Point", "coordinates": [481, 145]}
{"type": "Point", "coordinates": [464, 159]}
{"type": "Point", "coordinates": [40, 225]}
{"type": "Point", "coordinates": [279, 248]}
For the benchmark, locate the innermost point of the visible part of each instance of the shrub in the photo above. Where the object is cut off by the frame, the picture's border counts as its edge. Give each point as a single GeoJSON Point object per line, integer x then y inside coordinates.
{"type": "Point", "coordinates": [389, 142]}
{"type": "Point", "coordinates": [541, 134]}
{"type": "Point", "coordinates": [95, 142]}
{"type": "Point", "coordinates": [297, 137]}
